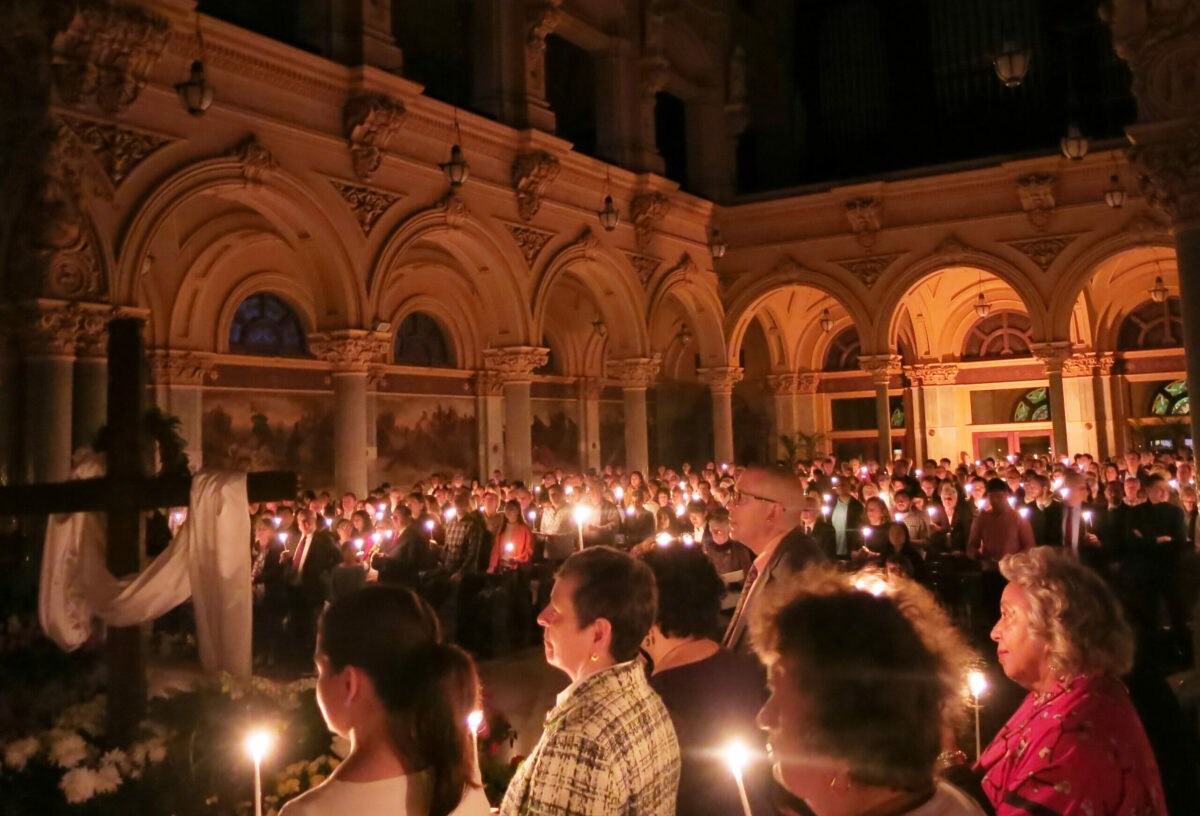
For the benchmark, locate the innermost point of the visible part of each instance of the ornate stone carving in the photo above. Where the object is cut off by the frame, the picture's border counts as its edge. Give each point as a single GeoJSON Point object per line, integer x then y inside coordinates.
{"type": "Point", "coordinates": [881, 367]}
{"type": "Point", "coordinates": [115, 149]}
{"type": "Point", "coordinates": [1036, 192]}
{"type": "Point", "coordinates": [515, 363]}
{"type": "Point", "coordinates": [93, 329]}
{"type": "Point", "coordinates": [455, 209]}
{"type": "Point", "coordinates": [106, 53]}
{"type": "Point", "coordinates": [1052, 355]}
{"type": "Point", "coordinates": [1169, 174]}
{"type": "Point", "coordinates": [376, 378]}
{"type": "Point", "coordinates": [1161, 42]}
{"type": "Point", "coordinates": [868, 269]}
{"type": "Point", "coordinates": [721, 379]}
{"type": "Point", "coordinates": [793, 382]}
{"type": "Point", "coordinates": [368, 204]}
{"type": "Point", "coordinates": [634, 372]}
{"type": "Point", "coordinates": [488, 384]}
{"type": "Point", "coordinates": [532, 173]}
{"type": "Point", "coordinates": [864, 216]}
{"type": "Point", "coordinates": [180, 368]}
{"type": "Point", "coordinates": [589, 242]}
{"type": "Point", "coordinates": [952, 250]}
{"type": "Point", "coordinates": [685, 267]}
{"type": "Point", "coordinates": [370, 120]}
{"type": "Point", "coordinates": [932, 373]}
{"type": "Point", "coordinates": [646, 210]}
{"type": "Point", "coordinates": [257, 162]}
{"type": "Point", "coordinates": [646, 265]}
{"type": "Point", "coordinates": [349, 350]}
{"type": "Point", "coordinates": [64, 329]}
{"type": "Point", "coordinates": [530, 240]}
{"type": "Point", "coordinates": [1043, 251]}
{"type": "Point", "coordinates": [543, 19]}
{"type": "Point", "coordinates": [1085, 364]}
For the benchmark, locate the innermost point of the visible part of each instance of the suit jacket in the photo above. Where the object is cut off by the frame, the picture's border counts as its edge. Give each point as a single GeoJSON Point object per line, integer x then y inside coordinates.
{"type": "Point", "coordinates": [1042, 520]}
{"type": "Point", "coordinates": [794, 552]}
{"type": "Point", "coordinates": [273, 576]}
{"type": "Point", "coordinates": [825, 537]}
{"type": "Point", "coordinates": [854, 522]}
{"type": "Point", "coordinates": [324, 554]}
{"type": "Point", "coordinates": [1153, 521]}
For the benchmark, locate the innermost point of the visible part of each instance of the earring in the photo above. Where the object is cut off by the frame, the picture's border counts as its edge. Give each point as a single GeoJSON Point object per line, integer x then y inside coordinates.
{"type": "Point", "coordinates": [595, 658]}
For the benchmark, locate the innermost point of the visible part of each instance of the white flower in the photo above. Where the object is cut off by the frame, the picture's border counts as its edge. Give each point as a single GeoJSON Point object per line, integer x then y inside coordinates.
{"type": "Point", "coordinates": [316, 779]}
{"type": "Point", "coordinates": [67, 750]}
{"type": "Point", "coordinates": [108, 779]}
{"type": "Point", "coordinates": [17, 754]}
{"type": "Point", "coordinates": [340, 746]}
{"type": "Point", "coordinates": [314, 766]}
{"type": "Point", "coordinates": [79, 784]}
{"type": "Point", "coordinates": [156, 749]}
{"type": "Point", "coordinates": [288, 786]}
{"type": "Point", "coordinates": [116, 757]}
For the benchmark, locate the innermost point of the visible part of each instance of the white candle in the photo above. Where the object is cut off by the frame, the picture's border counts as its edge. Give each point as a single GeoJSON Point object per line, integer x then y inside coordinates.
{"type": "Point", "coordinates": [977, 684]}
{"type": "Point", "coordinates": [738, 757]}
{"type": "Point", "coordinates": [257, 745]}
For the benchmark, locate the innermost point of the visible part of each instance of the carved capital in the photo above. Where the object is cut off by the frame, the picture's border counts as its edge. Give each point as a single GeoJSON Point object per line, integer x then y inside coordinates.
{"type": "Point", "coordinates": [532, 173]}
{"type": "Point", "coordinates": [106, 53]}
{"type": "Point", "coordinates": [1053, 355]}
{"type": "Point", "coordinates": [57, 329]}
{"type": "Point", "coordinates": [370, 120]}
{"type": "Point", "coordinates": [721, 379]}
{"type": "Point", "coordinates": [515, 363]}
{"type": "Point", "coordinates": [93, 329]}
{"type": "Point", "coordinates": [865, 217]}
{"type": "Point", "coordinates": [647, 210]}
{"type": "Point", "coordinates": [488, 384]}
{"type": "Point", "coordinates": [634, 372]}
{"type": "Point", "coordinates": [1036, 192]}
{"type": "Point", "coordinates": [1169, 173]}
{"type": "Point", "coordinates": [1161, 42]}
{"type": "Point", "coordinates": [932, 374]}
{"type": "Point", "coordinates": [793, 382]}
{"type": "Point", "coordinates": [881, 367]}
{"type": "Point", "coordinates": [349, 350]}
{"type": "Point", "coordinates": [1087, 363]}
{"type": "Point", "coordinates": [180, 367]}
{"type": "Point", "coordinates": [256, 160]}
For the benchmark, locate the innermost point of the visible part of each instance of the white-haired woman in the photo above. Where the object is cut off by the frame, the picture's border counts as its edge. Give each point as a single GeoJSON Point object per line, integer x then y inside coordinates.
{"type": "Point", "coordinates": [1076, 744]}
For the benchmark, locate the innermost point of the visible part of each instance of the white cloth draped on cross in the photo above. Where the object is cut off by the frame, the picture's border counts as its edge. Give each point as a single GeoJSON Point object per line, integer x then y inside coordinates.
{"type": "Point", "coordinates": [208, 561]}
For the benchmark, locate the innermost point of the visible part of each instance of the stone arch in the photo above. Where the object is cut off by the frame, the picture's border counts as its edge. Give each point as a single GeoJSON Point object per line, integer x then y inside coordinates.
{"type": "Point", "coordinates": [456, 325]}
{"type": "Point", "coordinates": [745, 304]}
{"type": "Point", "coordinates": [1075, 279]}
{"type": "Point", "coordinates": [614, 289]}
{"type": "Point", "coordinates": [481, 286]}
{"type": "Point", "coordinates": [274, 282]}
{"type": "Point", "coordinates": [252, 179]}
{"type": "Point", "coordinates": [893, 289]}
{"type": "Point", "coordinates": [699, 302]}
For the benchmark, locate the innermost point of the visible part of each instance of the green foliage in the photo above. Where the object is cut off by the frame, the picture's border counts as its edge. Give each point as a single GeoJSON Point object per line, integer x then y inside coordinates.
{"type": "Point", "coordinates": [803, 447]}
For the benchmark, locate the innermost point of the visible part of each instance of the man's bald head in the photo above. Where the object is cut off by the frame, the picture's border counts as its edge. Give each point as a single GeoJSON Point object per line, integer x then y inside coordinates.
{"type": "Point", "coordinates": [777, 484]}
{"type": "Point", "coordinates": [768, 504]}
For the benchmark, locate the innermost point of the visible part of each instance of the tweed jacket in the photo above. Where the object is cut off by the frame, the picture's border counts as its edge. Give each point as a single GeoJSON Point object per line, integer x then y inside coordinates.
{"type": "Point", "coordinates": [608, 749]}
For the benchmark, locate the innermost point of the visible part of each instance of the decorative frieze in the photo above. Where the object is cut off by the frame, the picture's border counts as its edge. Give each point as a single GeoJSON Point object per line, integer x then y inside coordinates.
{"type": "Point", "coordinates": [721, 379]}
{"type": "Point", "coordinates": [515, 363]}
{"type": "Point", "coordinates": [790, 383]}
{"type": "Point", "coordinates": [634, 372]}
{"type": "Point", "coordinates": [1043, 251]}
{"type": "Point", "coordinates": [370, 120]}
{"type": "Point", "coordinates": [180, 368]}
{"type": "Point", "coordinates": [1085, 364]}
{"type": "Point", "coordinates": [932, 374]}
{"type": "Point", "coordinates": [349, 350]}
{"type": "Point", "coordinates": [367, 203]}
{"type": "Point", "coordinates": [116, 150]}
{"type": "Point", "coordinates": [106, 53]}
{"type": "Point", "coordinates": [647, 210]}
{"type": "Point", "coordinates": [530, 240]}
{"type": "Point", "coordinates": [1053, 355]}
{"type": "Point", "coordinates": [1036, 192]}
{"type": "Point", "coordinates": [869, 269]}
{"type": "Point", "coordinates": [531, 174]}
{"type": "Point", "coordinates": [881, 367]}
{"type": "Point", "coordinates": [646, 266]}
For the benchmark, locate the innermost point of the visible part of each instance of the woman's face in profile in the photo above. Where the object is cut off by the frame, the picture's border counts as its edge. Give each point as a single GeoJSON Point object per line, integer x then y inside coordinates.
{"type": "Point", "coordinates": [785, 719]}
{"type": "Point", "coordinates": [332, 695]}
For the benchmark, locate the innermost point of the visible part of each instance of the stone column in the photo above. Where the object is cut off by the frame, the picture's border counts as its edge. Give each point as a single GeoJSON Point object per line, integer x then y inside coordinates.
{"type": "Point", "coordinates": [635, 375]}
{"type": "Point", "coordinates": [882, 367]}
{"type": "Point", "coordinates": [350, 353]}
{"type": "Point", "coordinates": [90, 392]}
{"type": "Point", "coordinates": [489, 422]}
{"type": "Point", "coordinates": [935, 390]}
{"type": "Point", "coordinates": [510, 63]}
{"type": "Point", "coordinates": [1110, 407]}
{"type": "Point", "coordinates": [49, 336]}
{"type": "Point", "coordinates": [514, 366]}
{"type": "Point", "coordinates": [1053, 356]}
{"type": "Point", "coordinates": [720, 381]}
{"type": "Point", "coordinates": [589, 422]}
{"type": "Point", "coordinates": [179, 379]}
{"type": "Point", "coordinates": [784, 388]}
{"type": "Point", "coordinates": [1084, 414]}
{"type": "Point", "coordinates": [808, 420]}
{"type": "Point", "coordinates": [617, 102]}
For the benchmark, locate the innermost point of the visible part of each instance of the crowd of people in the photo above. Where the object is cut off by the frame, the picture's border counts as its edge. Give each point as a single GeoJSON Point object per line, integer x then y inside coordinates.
{"type": "Point", "coordinates": [835, 605]}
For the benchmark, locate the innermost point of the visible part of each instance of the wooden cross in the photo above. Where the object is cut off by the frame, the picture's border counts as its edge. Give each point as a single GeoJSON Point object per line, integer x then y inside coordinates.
{"type": "Point", "coordinates": [123, 495]}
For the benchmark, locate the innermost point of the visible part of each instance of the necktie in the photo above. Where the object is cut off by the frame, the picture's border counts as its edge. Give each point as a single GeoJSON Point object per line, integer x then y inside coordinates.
{"type": "Point", "coordinates": [301, 553]}
{"type": "Point", "coordinates": [1070, 540]}
{"type": "Point", "coordinates": [736, 624]}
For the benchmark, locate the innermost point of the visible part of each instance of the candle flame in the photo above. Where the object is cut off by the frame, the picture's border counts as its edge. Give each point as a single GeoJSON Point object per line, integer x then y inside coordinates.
{"type": "Point", "coordinates": [258, 743]}
{"type": "Point", "coordinates": [977, 683]}
{"type": "Point", "coordinates": [736, 757]}
{"type": "Point", "coordinates": [475, 720]}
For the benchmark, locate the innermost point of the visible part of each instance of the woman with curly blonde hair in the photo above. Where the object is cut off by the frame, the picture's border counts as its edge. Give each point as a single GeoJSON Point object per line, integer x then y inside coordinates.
{"type": "Point", "coordinates": [865, 672]}
{"type": "Point", "coordinates": [1076, 744]}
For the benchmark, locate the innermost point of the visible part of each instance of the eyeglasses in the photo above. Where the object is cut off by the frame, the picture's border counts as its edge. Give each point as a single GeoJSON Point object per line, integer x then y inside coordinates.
{"type": "Point", "coordinates": [740, 497]}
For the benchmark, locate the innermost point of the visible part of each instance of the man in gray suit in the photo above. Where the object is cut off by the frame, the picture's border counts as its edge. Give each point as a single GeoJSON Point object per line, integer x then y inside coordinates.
{"type": "Point", "coordinates": [765, 512]}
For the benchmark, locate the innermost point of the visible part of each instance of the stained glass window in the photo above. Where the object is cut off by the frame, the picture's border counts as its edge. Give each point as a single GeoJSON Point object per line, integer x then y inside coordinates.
{"type": "Point", "coordinates": [1171, 399]}
{"type": "Point", "coordinates": [420, 341]}
{"type": "Point", "coordinates": [1033, 406]}
{"type": "Point", "coordinates": [842, 354]}
{"type": "Point", "coordinates": [999, 335]}
{"type": "Point", "coordinates": [266, 325]}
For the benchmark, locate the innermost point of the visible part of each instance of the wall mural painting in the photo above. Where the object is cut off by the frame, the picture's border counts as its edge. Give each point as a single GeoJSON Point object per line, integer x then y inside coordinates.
{"type": "Point", "coordinates": [555, 435]}
{"type": "Point", "coordinates": [247, 430]}
{"type": "Point", "coordinates": [419, 435]}
{"type": "Point", "coordinates": [612, 433]}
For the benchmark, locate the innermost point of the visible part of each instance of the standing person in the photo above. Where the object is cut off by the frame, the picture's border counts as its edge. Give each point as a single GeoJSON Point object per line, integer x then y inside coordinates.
{"type": "Point", "coordinates": [998, 531]}
{"type": "Point", "coordinates": [1074, 526]}
{"type": "Point", "coordinates": [309, 565]}
{"type": "Point", "coordinates": [712, 694]}
{"type": "Point", "coordinates": [401, 698]}
{"type": "Point", "coordinates": [348, 576]}
{"type": "Point", "coordinates": [1076, 744]}
{"type": "Point", "coordinates": [856, 714]}
{"type": "Point", "coordinates": [765, 511]}
{"type": "Point", "coordinates": [916, 520]}
{"type": "Point", "coordinates": [1154, 558]}
{"type": "Point", "coordinates": [608, 746]}
{"type": "Point", "coordinates": [951, 521]}
{"type": "Point", "coordinates": [846, 519]}
{"type": "Point", "coordinates": [1044, 510]}
{"type": "Point", "coordinates": [268, 574]}
{"type": "Point", "coordinates": [514, 540]}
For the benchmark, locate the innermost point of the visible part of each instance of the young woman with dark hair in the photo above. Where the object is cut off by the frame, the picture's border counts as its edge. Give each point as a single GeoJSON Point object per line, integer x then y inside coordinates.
{"type": "Point", "coordinates": [514, 540]}
{"type": "Point", "coordinates": [386, 682]}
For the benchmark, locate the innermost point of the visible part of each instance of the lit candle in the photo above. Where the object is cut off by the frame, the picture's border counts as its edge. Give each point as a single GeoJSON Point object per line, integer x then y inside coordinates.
{"type": "Point", "coordinates": [582, 513]}
{"type": "Point", "coordinates": [379, 515]}
{"type": "Point", "coordinates": [663, 539]}
{"type": "Point", "coordinates": [680, 509]}
{"type": "Point", "coordinates": [1023, 512]}
{"type": "Point", "coordinates": [738, 758]}
{"type": "Point", "coordinates": [866, 532]}
{"type": "Point", "coordinates": [826, 509]}
{"type": "Point", "coordinates": [899, 517]}
{"type": "Point", "coordinates": [358, 544]}
{"type": "Point", "coordinates": [474, 722]}
{"type": "Point", "coordinates": [277, 520]}
{"type": "Point", "coordinates": [282, 537]}
{"type": "Point", "coordinates": [619, 492]}
{"type": "Point", "coordinates": [919, 473]}
{"type": "Point", "coordinates": [1174, 483]}
{"type": "Point", "coordinates": [257, 745]}
{"type": "Point", "coordinates": [450, 513]}
{"type": "Point", "coordinates": [531, 515]}
{"type": "Point", "coordinates": [376, 538]}
{"type": "Point", "coordinates": [688, 540]}
{"type": "Point", "coordinates": [827, 497]}
{"type": "Point", "coordinates": [977, 684]}
{"type": "Point", "coordinates": [568, 490]}
{"type": "Point", "coordinates": [630, 511]}
{"type": "Point", "coordinates": [835, 480]}
{"type": "Point", "coordinates": [932, 511]}
{"type": "Point", "coordinates": [429, 526]}
{"type": "Point", "coordinates": [980, 504]}
{"type": "Point", "coordinates": [1012, 501]}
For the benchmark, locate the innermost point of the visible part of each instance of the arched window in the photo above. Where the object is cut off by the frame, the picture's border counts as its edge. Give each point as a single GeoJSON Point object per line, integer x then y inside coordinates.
{"type": "Point", "coordinates": [1171, 399]}
{"type": "Point", "coordinates": [1152, 326]}
{"type": "Point", "coordinates": [420, 341]}
{"type": "Point", "coordinates": [266, 325]}
{"type": "Point", "coordinates": [999, 335]}
{"type": "Point", "coordinates": [1034, 406]}
{"type": "Point", "coordinates": [842, 354]}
